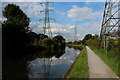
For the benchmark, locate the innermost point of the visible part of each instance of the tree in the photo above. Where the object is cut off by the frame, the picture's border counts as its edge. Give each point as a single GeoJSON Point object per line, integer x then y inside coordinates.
{"type": "Point", "coordinates": [16, 16]}
{"type": "Point", "coordinates": [14, 29]}
{"type": "Point", "coordinates": [42, 36]}
{"type": "Point", "coordinates": [95, 36]}
{"type": "Point", "coordinates": [59, 41]}
{"type": "Point", "coordinates": [47, 42]}
{"type": "Point", "coordinates": [31, 37]}
{"type": "Point", "coordinates": [87, 37]}
{"type": "Point", "coordinates": [93, 41]}
{"type": "Point", "coordinates": [59, 38]}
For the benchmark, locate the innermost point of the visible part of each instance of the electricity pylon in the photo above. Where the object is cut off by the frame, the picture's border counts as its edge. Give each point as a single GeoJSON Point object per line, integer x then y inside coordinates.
{"type": "Point", "coordinates": [46, 31]}
{"type": "Point", "coordinates": [75, 33]}
{"type": "Point", "coordinates": [46, 19]}
{"type": "Point", "coordinates": [110, 22]}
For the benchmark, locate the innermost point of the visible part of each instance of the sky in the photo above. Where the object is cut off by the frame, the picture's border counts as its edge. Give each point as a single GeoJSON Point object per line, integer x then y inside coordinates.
{"type": "Point", "coordinates": [85, 16]}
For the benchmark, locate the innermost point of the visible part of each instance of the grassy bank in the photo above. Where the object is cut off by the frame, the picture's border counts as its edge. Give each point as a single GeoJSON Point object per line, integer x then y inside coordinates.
{"type": "Point", "coordinates": [80, 67]}
{"type": "Point", "coordinates": [111, 61]}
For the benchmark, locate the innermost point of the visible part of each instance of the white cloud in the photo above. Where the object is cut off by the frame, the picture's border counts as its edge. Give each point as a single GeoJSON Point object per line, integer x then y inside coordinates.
{"type": "Point", "coordinates": [55, 27]}
{"type": "Point", "coordinates": [83, 13]}
{"type": "Point", "coordinates": [68, 30]}
{"type": "Point", "coordinates": [88, 28]}
{"type": "Point", "coordinates": [72, 26]}
{"type": "Point", "coordinates": [2, 19]}
{"type": "Point", "coordinates": [58, 30]}
{"type": "Point", "coordinates": [31, 9]}
{"type": "Point", "coordinates": [63, 29]}
{"type": "Point", "coordinates": [92, 20]}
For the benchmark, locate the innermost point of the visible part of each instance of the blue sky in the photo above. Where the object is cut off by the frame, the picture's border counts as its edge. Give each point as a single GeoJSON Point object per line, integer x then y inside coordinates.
{"type": "Point", "coordinates": [86, 16]}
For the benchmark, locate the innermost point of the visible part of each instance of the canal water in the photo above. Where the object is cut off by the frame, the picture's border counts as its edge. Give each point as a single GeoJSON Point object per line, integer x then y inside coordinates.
{"type": "Point", "coordinates": [33, 66]}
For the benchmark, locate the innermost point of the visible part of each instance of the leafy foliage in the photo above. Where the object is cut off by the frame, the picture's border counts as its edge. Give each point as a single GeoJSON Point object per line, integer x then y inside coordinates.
{"type": "Point", "coordinates": [47, 42]}
{"type": "Point", "coordinates": [14, 29]}
{"type": "Point", "coordinates": [93, 41]}
{"type": "Point", "coordinates": [58, 41]}
{"type": "Point", "coordinates": [15, 16]}
{"type": "Point", "coordinates": [31, 35]}
{"type": "Point", "coordinates": [87, 37]}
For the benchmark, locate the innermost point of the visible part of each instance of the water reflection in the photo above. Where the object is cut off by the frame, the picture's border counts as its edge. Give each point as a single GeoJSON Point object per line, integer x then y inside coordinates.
{"type": "Point", "coordinates": [44, 64]}
{"type": "Point", "coordinates": [57, 68]}
{"type": "Point", "coordinates": [14, 68]}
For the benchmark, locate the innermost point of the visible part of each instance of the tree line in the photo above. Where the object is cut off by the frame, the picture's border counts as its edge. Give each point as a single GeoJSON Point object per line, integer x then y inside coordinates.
{"type": "Point", "coordinates": [18, 38]}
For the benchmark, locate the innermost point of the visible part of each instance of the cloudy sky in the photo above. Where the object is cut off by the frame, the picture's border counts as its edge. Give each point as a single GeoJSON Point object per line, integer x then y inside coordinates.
{"type": "Point", "coordinates": [86, 16]}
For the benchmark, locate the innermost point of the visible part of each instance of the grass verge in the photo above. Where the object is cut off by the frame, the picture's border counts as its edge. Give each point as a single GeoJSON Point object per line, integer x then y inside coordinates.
{"type": "Point", "coordinates": [80, 67]}
{"type": "Point", "coordinates": [111, 61]}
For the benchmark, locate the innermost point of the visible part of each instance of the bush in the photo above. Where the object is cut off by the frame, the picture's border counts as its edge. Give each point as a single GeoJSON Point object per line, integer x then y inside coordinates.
{"type": "Point", "coordinates": [47, 42]}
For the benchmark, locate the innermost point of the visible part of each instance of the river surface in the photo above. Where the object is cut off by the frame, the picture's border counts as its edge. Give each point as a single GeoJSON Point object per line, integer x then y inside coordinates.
{"type": "Point", "coordinates": [32, 66]}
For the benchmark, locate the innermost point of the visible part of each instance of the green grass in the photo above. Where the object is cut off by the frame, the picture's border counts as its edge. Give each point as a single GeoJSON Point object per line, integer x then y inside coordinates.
{"type": "Point", "coordinates": [111, 61]}
{"type": "Point", "coordinates": [80, 67]}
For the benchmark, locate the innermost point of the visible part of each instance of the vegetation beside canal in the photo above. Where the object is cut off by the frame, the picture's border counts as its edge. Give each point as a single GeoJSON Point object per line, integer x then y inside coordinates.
{"type": "Point", "coordinates": [111, 61]}
{"type": "Point", "coordinates": [19, 39]}
{"type": "Point", "coordinates": [80, 67]}
{"type": "Point", "coordinates": [76, 46]}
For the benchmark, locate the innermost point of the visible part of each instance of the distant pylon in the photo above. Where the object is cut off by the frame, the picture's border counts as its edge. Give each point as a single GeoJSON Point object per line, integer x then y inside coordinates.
{"type": "Point", "coordinates": [75, 33]}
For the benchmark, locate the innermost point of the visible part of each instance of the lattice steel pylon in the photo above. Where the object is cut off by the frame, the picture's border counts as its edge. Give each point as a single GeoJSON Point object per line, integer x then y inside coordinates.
{"type": "Point", "coordinates": [111, 22]}
{"type": "Point", "coordinates": [75, 33]}
{"type": "Point", "coordinates": [46, 19]}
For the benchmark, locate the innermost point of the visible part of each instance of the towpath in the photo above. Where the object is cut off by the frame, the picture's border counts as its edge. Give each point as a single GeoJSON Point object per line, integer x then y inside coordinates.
{"type": "Point", "coordinates": [97, 68]}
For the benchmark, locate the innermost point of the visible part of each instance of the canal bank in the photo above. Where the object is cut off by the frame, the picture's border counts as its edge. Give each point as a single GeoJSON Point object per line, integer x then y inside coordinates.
{"type": "Point", "coordinates": [79, 68]}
